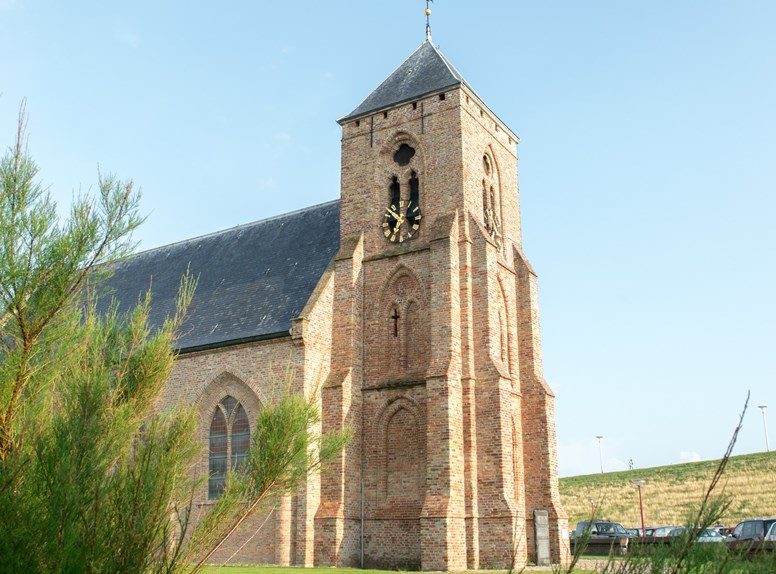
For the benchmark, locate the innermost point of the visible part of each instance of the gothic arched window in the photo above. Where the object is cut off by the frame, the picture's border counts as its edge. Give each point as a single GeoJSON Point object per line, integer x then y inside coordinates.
{"type": "Point", "coordinates": [403, 195]}
{"type": "Point", "coordinates": [491, 202]}
{"type": "Point", "coordinates": [229, 441]}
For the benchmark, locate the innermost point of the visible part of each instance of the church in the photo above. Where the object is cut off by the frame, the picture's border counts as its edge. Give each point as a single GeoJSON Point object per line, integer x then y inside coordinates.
{"type": "Point", "coordinates": [409, 306]}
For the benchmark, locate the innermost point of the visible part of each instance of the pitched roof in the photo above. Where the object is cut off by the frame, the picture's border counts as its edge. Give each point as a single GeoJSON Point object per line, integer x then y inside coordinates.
{"type": "Point", "coordinates": [253, 279]}
{"type": "Point", "coordinates": [426, 71]}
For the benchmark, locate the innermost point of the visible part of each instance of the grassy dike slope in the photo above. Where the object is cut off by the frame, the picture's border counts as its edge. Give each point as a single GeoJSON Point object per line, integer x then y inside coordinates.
{"type": "Point", "coordinates": [671, 493]}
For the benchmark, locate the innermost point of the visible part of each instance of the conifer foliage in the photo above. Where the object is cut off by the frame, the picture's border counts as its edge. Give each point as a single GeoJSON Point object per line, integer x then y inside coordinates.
{"type": "Point", "coordinates": [82, 489]}
{"type": "Point", "coordinates": [92, 478]}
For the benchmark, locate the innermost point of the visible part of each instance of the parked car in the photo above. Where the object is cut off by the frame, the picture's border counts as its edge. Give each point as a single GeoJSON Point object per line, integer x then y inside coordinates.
{"type": "Point", "coordinates": [659, 531]}
{"type": "Point", "coordinates": [605, 537]}
{"type": "Point", "coordinates": [708, 534]}
{"type": "Point", "coordinates": [602, 528]}
{"type": "Point", "coordinates": [711, 535]}
{"type": "Point", "coordinates": [655, 531]}
{"type": "Point", "coordinates": [751, 529]}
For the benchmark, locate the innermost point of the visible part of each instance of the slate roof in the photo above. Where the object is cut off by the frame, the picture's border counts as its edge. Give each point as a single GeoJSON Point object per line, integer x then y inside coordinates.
{"type": "Point", "coordinates": [426, 71]}
{"type": "Point", "coordinates": [253, 279]}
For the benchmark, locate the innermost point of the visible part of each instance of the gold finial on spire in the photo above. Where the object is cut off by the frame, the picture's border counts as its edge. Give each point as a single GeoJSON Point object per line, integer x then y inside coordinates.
{"type": "Point", "coordinates": [428, 20]}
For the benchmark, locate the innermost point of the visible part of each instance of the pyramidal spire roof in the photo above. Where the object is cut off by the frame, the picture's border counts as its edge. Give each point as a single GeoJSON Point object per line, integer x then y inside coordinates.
{"type": "Point", "coordinates": [426, 71]}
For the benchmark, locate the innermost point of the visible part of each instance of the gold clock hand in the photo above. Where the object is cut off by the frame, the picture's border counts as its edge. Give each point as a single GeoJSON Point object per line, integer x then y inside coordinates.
{"type": "Point", "coordinates": [396, 215]}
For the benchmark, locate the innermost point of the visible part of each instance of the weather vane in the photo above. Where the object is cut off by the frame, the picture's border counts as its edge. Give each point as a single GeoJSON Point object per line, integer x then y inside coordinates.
{"type": "Point", "coordinates": [428, 19]}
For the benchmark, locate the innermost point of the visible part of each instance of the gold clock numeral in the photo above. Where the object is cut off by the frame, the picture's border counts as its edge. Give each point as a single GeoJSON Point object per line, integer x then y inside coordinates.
{"type": "Point", "coordinates": [401, 203]}
{"type": "Point", "coordinates": [415, 226]}
{"type": "Point", "coordinates": [385, 224]}
{"type": "Point", "coordinates": [387, 232]}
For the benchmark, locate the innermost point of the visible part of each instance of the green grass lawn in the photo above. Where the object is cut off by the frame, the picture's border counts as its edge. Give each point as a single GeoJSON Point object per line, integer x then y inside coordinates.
{"type": "Point", "coordinates": [290, 570]}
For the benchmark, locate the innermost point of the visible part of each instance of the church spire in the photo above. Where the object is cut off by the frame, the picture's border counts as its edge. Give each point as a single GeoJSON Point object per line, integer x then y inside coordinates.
{"type": "Point", "coordinates": [425, 72]}
{"type": "Point", "coordinates": [428, 20]}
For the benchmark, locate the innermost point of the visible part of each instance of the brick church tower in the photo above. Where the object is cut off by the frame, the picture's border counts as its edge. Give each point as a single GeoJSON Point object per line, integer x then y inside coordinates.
{"type": "Point", "coordinates": [411, 299]}
{"type": "Point", "coordinates": [435, 362]}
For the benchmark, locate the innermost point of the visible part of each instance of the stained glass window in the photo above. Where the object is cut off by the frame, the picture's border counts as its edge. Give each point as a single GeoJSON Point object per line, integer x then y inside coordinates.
{"type": "Point", "coordinates": [229, 442]}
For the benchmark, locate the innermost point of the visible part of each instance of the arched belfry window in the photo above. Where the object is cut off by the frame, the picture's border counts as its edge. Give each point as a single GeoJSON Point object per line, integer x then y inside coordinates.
{"type": "Point", "coordinates": [404, 201]}
{"type": "Point", "coordinates": [413, 208]}
{"type": "Point", "coordinates": [491, 199]}
{"type": "Point", "coordinates": [229, 441]}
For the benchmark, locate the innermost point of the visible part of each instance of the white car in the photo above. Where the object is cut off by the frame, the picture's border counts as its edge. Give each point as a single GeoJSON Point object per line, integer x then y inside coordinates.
{"type": "Point", "coordinates": [708, 535]}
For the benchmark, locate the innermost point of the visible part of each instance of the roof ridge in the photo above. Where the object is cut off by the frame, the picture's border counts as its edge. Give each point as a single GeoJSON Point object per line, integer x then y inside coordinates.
{"type": "Point", "coordinates": [231, 229]}
{"type": "Point", "coordinates": [453, 70]}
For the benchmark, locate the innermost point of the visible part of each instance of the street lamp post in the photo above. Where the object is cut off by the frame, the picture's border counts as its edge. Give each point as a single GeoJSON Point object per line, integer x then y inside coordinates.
{"type": "Point", "coordinates": [638, 483]}
{"type": "Point", "coordinates": [600, 455]}
{"type": "Point", "coordinates": [765, 427]}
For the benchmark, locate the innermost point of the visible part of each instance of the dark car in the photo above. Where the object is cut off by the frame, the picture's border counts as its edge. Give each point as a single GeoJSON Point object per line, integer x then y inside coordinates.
{"type": "Point", "coordinates": [604, 537]}
{"type": "Point", "coordinates": [602, 528]}
{"type": "Point", "coordinates": [751, 529]}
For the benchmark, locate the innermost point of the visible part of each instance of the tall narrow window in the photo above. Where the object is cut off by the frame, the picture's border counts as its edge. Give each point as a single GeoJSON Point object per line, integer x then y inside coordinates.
{"type": "Point", "coordinates": [503, 327]}
{"type": "Point", "coordinates": [491, 204]}
{"type": "Point", "coordinates": [395, 192]}
{"type": "Point", "coordinates": [485, 205]}
{"type": "Point", "coordinates": [229, 443]}
{"type": "Point", "coordinates": [392, 216]}
{"type": "Point", "coordinates": [413, 208]}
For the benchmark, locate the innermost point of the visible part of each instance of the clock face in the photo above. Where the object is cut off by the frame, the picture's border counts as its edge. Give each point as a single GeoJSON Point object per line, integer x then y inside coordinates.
{"type": "Point", "coordinates": [401, 221]}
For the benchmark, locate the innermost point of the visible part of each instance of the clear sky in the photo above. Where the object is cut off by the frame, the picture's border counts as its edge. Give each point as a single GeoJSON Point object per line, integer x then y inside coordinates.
{"type": "Point", "coordinates": [647, 167]}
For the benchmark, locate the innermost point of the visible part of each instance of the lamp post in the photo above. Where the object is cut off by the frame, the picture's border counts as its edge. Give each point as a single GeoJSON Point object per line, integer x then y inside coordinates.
{"type": "Point", "coordinates": [600, 455]}
{"type": "Point", "coordinates": [638, 483]}
{"type": "Point", "coordinates": [765, 427]}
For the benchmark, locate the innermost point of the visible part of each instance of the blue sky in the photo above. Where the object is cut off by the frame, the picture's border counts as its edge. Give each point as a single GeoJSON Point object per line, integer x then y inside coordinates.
{"type": "Point", "coordinates": [647, 171]}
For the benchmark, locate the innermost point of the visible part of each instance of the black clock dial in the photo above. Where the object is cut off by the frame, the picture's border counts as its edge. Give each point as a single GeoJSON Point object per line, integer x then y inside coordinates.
{"type": "Point", "coordinates": [402, 221]}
